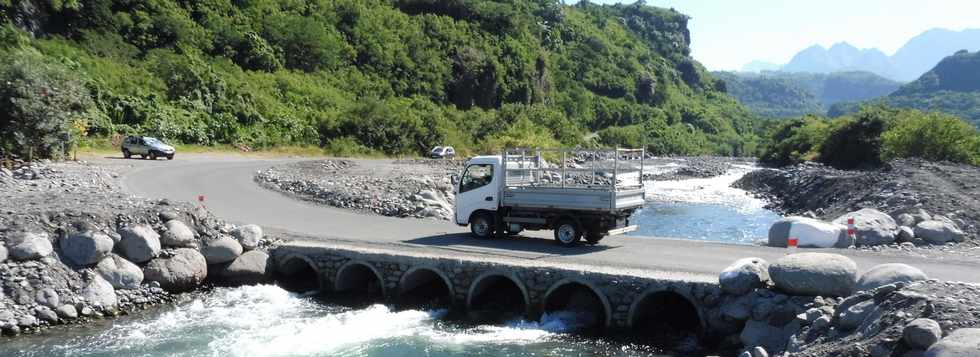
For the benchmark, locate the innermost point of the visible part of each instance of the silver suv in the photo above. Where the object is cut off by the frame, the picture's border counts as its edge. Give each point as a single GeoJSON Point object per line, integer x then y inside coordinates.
{"type": "Point", "coordinates": [146, 147]}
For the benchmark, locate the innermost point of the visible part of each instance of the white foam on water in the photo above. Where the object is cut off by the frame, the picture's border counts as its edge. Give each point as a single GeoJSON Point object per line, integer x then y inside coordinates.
{"type": "Point", "coordinates": [715, 190]}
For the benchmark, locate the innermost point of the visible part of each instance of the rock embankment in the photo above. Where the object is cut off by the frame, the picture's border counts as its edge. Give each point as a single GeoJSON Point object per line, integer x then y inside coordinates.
{"type": "Point", "coordinates": [817, 304]}
{"type": "Point", "coordinates": [408, 188]}
{"type": "Point", "coordinates": [910, 201]}
{"type": "Point", "coordinates": [74, 248]}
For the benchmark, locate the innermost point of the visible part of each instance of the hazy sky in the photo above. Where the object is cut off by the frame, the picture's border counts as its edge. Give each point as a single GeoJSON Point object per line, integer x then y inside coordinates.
{"type": "Point", "coordinates": [727, 34]}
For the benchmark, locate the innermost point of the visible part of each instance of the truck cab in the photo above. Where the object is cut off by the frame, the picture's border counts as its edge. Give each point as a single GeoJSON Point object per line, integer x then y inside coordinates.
{"type": "Point", "coordinates": [501, 195]}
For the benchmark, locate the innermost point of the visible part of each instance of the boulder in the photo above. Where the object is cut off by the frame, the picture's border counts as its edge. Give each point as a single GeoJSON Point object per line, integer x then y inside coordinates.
{"type": "Point", "coordinates": [3, 253]}
{"type": "Point", "coordinates": [86, 248]}
{"type": "Point", "coordinates": [221, 250]}
{"type": "Point", "coordinates": [248, 269]}
{"type": "Point", "coordinates": [120, 272]}
{"type": "Point", "coordinates": [67, 311]}
{"type": "Point", "coordinates": [183, 271]}
{"type": "Point", "coordinates": [884, 274]}
{"type": "Point", "coordinates": [872, 227]}
{"type": "Point", "coordinates": [905, 234]}
{"type": "Point", "coordinates": [46, 314]}
{"type": "Point", "coordinates": [29, 246]}
{"type": "Point", "coordinates": [779, 231]}
{"type": "Point", "coordinates": [814, 274]}
{"type": "Point", "coordinates": [922, 333]}
{"type": "Point", "coordinates": [248, 236]}
{"type": "Point", "coordinates": [167, 216]}
{"type": "Point", "coordinates": [178, 234]}
{"type": "Point", "coordinates": [48, 297]}
{"type": "Point", "coordinates": [851, 317]}
{"type": "Point", "coordinates": [812, 233]}
{"type": "Point", "coordinates": [139, 243]}
{"type": "Point", "coordinates": [938, 232]}
{"type": "Point", "coordinates": [960, 343]}
{"type": "Point", "coordinates": [772, 338]}
{"type": "Point", "coordinates": [99, 292]}
{"type": "Point", "coordinates": [744, 275]}
{"type": "Point", "coordinates": [905, 219]}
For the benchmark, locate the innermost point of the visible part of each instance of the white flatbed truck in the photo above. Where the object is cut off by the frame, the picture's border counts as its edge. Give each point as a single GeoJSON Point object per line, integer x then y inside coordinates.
{"type": "Point", "coordinates": [586, 194]}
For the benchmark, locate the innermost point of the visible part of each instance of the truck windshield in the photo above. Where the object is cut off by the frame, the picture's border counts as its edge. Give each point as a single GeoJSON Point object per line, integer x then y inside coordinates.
{"type": "Point", "coordinates": [476, 176]}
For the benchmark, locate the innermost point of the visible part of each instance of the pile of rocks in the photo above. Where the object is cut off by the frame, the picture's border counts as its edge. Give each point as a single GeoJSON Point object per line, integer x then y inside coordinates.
{"type": "Point", "coordinates": [871, 228]}
{"type": "Point", "coordinates": [87, 251]}
{"type": "Point", "coordinates": [423, 191]}
{"type": "Point", "coordinates": [945, 196]}
{"type": "Point", "coordinates": [816, 304]}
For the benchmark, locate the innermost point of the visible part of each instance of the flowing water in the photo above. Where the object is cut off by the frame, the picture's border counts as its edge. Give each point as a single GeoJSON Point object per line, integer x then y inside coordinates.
{"type": "Point", "coordinates": [703, 209]}
{"type": "Point", "coordinates": [269, 321]}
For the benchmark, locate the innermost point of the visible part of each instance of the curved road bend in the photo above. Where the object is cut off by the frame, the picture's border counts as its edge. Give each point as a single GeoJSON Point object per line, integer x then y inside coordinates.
{"type": "Point", "coordinates": [226, 182]}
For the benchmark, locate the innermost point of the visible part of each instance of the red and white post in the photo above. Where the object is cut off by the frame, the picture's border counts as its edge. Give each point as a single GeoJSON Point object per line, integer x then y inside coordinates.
{"type": "Point", "coordinates": [850, 230]}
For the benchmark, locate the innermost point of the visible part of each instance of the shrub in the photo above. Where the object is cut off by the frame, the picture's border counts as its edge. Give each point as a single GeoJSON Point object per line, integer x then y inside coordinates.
{"type": "Point", "coordinates": [43, 108]}
{"type": "Point", "coordinates": [795, 141]}
{"type": "Point", "coordinates": [931, 136]}
{"type": "Point", "coordinates": [856, 142]}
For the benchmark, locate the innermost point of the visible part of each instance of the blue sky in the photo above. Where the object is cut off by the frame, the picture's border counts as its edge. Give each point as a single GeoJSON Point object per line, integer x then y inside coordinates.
{"type": "Point", "coordinates": [727, 34]}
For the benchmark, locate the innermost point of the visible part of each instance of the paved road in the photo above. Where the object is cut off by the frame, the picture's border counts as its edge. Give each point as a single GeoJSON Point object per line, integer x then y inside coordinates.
{"type": "Point", "coordinates": [226, 182]}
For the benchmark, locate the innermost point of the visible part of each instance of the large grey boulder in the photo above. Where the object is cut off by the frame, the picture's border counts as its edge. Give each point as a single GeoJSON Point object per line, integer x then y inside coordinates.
{"type": "Point", "coordinates": [86, 248]}
{"type": "Point", "coordinates": [29, 246]}
{"type": "Point", "coordinates": [248, 236]}
{"type": "Point", "coordinates": [809, 232]}
{"type": "Point", "coordinates": [139, 243]}
{"type": "Point", "coordinates": [779, 231]}
{"type": "Point", "coordinates": [922, 333]}
{"type": "Point", "coordinates": [47, 297]}
{"type": "Point", "coordinates": [248, 269]}
{"type": "Point", "coordinates": [119, 272]}
{"type": "Point", "coordinates": [884, 274]}
{"type": "Point", "coordinates": [964, 342]}
{"type": "Point", "coordinates": [178, 234]}
{"type": "Point", "coordinates": [814, 274]}
{"type": "Point", "coordinates": [872, 227]}
{"type": "Point", "coordinates": [182, 271]}
{"type": "Point", "coordinates": [744, 275]}
{"type": "Point", "coordinates": [99, 292]}
{"type": "Point", "coordinates": [221, 250]}
{"type": "Point", "coordinates": [939, 232]}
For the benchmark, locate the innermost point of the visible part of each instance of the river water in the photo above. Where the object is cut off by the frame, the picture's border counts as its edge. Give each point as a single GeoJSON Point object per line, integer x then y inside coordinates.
{"type": "Point", "coordinates": [269, 321]}
{"type": "Point", "coordinates": [703, 209]}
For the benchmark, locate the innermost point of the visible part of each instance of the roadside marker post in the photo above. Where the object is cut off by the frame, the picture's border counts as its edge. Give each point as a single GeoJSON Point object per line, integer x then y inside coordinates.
{"type": "Point", "coordinates": [791, 244]}
{"type": "Point", "coordinates": [850, 230]}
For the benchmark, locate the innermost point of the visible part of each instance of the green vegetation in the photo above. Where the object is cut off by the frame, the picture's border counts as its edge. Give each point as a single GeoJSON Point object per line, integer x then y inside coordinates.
{"type": "Point", "coordinates": [952, 87]}
{"type": "Point", "coordinates": [774, 94]}
{"type": "Point", "coordinates": [872, 136]}
{"type": "Point", "coordinates": [363, 76]}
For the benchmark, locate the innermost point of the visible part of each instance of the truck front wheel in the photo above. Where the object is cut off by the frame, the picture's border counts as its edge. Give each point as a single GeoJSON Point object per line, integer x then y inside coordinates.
{"type": "Point", "coordinates": [567, 233]}
{"type": "Point", "coordinates": [481, 225]}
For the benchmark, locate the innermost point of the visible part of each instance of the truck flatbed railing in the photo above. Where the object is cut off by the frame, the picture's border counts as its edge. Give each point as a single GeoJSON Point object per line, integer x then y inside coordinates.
{"type": "Point", "coordinates": [587, 169]}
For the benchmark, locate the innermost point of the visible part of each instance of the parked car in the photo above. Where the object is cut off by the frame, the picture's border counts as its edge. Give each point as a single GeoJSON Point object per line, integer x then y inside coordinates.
{"type": "Point", "coordinates": [443, 152]}
{"type": "Point", "coordinates": [146, 147]}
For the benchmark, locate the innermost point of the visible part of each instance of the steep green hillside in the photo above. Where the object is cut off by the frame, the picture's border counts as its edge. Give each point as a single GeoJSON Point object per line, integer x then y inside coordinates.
{"type": "Point", "coordinates": [952, 87]}
{"type": "Point", "coordinates": [393, 76]}
{"type": "Point", "coordinates": [783, 94]}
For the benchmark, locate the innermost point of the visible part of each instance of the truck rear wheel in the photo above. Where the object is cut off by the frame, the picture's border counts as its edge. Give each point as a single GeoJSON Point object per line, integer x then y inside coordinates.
{"type": "Point", "coordinates": [593, 237]}
{"type": "Point", "coordinates": [482, 225]}
{"type": "Point", "coordinates": [567, 233]}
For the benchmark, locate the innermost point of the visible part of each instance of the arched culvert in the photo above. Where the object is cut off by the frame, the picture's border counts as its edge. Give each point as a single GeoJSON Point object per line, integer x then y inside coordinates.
{"type": "Point", "coordinates": [577, 306]}
{"type": "Point", "coordinates": [666, 319]}
{"type": "Point", "coordinates": [360, 280]}
{"type": "Point", "coordinates": [298, 274]}
{"type": "Point", "coordinates": [424, 288]}
{"type": "Point", "coordinates": [495, 297]}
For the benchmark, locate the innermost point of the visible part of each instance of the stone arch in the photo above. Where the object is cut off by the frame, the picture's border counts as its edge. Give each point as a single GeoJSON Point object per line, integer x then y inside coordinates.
{"type": "Point", "coordinates": [676, 309]}
{"type": "Point", "coordinates": [503, 283]}
{"type": "Point", "coordinates": [361, 277]}
{"type": "Point", "coordinates": [420, 286]}
{"type": "Point", "coordinates": [559, 294]}
{"type": "Point", "coordinates": [298, 273]}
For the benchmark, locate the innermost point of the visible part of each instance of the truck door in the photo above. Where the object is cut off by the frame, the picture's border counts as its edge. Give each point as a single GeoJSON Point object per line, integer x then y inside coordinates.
{"type": "Point", "coordinates": [477, 190]}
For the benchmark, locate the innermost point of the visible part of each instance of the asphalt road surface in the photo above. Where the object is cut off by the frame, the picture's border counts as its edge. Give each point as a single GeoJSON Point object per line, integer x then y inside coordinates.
{"type": "Point", "coordinates": [226, 183]}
